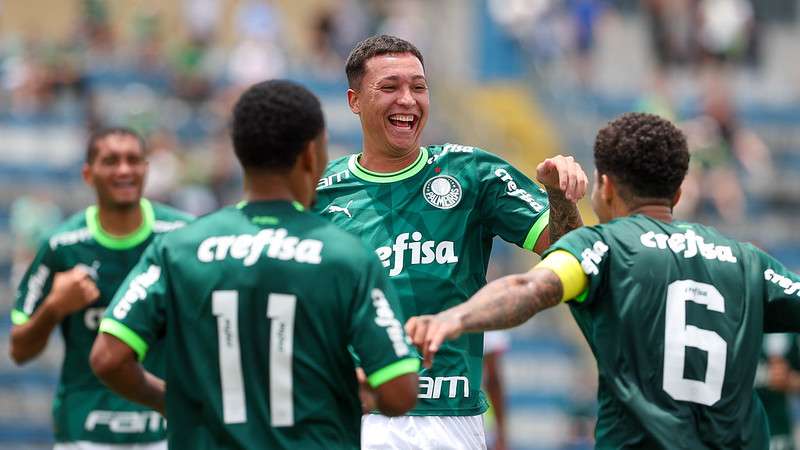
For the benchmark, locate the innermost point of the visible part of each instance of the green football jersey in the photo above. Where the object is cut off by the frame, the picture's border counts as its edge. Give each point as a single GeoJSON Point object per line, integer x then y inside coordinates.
{"type": "Point", "coordinates": [83, 409]}
{"type": "Point", "coordinates": [776, 403]}
{"type": "Point", "coordinates": [674, 314]}
{"type": "Point", "coordinates": [432, 226]}
{"type": "Point", "coordinates": [259, 304]}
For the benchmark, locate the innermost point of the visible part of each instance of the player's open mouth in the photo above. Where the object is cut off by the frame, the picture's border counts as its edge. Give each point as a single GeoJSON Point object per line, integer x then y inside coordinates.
{"type": "Point", "coordinates": [403, 121]}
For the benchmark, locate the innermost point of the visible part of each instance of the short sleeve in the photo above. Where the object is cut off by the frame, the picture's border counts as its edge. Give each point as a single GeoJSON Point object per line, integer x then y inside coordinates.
{"type": "Point", "coordinates": [590, 248]}
{"type": "Point", "coordinates": [781, 294]}
{"type": "Point", "coordinates": [136, 315]}
{"type": "Point", "coordinates": [512, 205]}
{"type": "Point", "coordinates": [35, 285]}
{"type": "Point", "coordinates": [376, 329]}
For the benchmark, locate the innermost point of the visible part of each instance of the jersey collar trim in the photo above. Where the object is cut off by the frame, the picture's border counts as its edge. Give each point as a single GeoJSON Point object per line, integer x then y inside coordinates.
{"type": "Point", "coordinates": [376, 177]}
{"type": "Point", "coordinates": [121, 242]}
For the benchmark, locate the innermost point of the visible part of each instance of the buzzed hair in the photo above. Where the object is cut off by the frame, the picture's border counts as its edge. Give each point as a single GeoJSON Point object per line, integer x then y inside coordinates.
{"type": "Point", "coordinates": [645, 153]}
{"type": "Point", "coordinates": [375, 46]}
{"type": "Point", "coordinates": [97, 136]}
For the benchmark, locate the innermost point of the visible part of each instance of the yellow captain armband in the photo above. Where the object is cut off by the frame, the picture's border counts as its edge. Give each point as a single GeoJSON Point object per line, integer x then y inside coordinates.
{"type": "Point", "coordinates": [568, 269]}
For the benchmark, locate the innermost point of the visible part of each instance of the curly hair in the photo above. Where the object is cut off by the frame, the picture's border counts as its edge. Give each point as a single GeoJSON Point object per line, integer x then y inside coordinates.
{"type": "Point", "coordinates": [375, 46]}
{"type": "Point", "coordinates": [273, 121]}
{"type": "Point", "coordinates": [645, 153]}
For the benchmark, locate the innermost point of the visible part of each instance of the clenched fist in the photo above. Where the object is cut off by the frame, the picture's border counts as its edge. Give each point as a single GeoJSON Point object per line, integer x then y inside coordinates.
{"type": "Point", "coordinates": [72, 290]}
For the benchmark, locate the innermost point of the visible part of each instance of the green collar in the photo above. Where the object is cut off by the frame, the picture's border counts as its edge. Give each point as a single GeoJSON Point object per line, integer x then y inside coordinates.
{"type": "Point", "coordinates": [376, 177]}
{"type": "Point", "coordinates": [121, 242]}
{"type": "Point", "coordinates": [295, 204]}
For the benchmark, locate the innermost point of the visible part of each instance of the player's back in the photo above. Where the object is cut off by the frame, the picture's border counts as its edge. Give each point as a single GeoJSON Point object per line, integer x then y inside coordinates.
{"type": "Point", "coordinates": [259, 327]}
{"type": "Point", "coordinates": [675, 315]}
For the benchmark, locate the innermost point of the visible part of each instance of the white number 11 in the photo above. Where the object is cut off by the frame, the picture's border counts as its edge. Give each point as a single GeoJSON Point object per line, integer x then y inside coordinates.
{"type": "Point", "coordinates": [281, 309]}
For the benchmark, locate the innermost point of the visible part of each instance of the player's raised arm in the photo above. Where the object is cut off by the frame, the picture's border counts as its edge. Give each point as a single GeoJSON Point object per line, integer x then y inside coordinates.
{"type": "Point", "coordinates": [565, 183]}
{"type": "Point", "coordinates": [503, 303]}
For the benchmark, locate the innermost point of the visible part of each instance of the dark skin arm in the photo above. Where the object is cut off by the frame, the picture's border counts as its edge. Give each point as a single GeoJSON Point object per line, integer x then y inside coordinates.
{"type": "Point", "coordinates": [503, 303]}
{"type": "Point", "coordinates": [393, 398]}
{"type": "Point", "coordinates": [115, 364]}
{"type": "Point", "coordinates": [72, 290]}
{"type": "Point", "coordinates": [565, 183]}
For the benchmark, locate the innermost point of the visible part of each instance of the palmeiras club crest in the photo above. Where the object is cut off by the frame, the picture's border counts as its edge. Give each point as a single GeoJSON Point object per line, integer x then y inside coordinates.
{"type": "Point", "coordinates": [442, 191]}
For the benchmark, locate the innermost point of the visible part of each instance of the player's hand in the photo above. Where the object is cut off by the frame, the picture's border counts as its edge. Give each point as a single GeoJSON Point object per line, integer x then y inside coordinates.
{"type": "Point", "coordinates": [365, 392]}
{"type": "Point", "coordinates": [563, 174]}
{"type": "Point", "coordinates": [72, 290]}
{"type": "Point", "coordinates": [429, 332]}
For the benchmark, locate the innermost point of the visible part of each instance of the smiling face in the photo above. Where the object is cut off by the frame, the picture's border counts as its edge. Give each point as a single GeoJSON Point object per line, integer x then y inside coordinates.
{"type": "Point", "coordinates": [392, 103]}
{"type": "Point", "coordinates": [117, 171]}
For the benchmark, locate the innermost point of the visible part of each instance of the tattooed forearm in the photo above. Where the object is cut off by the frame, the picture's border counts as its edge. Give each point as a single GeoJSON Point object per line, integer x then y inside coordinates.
{"type": "Point", "coordinates": [510, 301]}
{"type": "Point", "coordinates": [564, 216]}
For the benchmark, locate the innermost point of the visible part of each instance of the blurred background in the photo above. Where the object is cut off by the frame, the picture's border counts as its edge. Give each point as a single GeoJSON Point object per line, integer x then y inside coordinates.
{"type": "Point", "coordinates": [526, 79]}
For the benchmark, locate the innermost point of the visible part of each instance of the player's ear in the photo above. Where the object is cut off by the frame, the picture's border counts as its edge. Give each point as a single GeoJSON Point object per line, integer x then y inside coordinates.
{"type": "Point", "coordinates": [86, 173]}
{"type": "Point", "coordinates": [352, 100]}
{"type": "Point", "coordinates": [607, 188]}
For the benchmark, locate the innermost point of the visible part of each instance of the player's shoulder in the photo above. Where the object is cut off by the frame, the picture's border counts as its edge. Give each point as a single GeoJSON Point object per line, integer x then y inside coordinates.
{"type": "Point", "coordinates": [450, 152]}
{"type": "Point", "coordinates": [71, 231]}
{"type": "Point", "coordinates": [168, 218]}
{"type": "Point", "coordinates": [340, 246]}
{"type": "Point", "coordinates": [193, 227]}
{"type": "Point", "coordinates": [336, 173]}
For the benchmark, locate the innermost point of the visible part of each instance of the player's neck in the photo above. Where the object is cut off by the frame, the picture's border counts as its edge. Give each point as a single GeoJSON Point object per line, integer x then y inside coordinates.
{"type": "Point", "coordinates": [273, 187]}
{"type": "Point", "coordinates": [661, 213]}
{"type": "Point", "coordinates": [120, 221]}
{"type": "Point", "coordinates": [386, 161]}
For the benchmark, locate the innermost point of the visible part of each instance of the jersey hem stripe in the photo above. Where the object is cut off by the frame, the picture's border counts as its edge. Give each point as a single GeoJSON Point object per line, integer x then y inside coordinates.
{"type": "Point", "coordinates": [18, 317]}
{"type": "Point", "coordinates": [376, 177]}
{"type": "Point", "coordinates": [124, 242]}
{"type": "Point", "coordinates": [536, 230]}
{"type": "Point", "coordinates": [392, 371]}
{"type": "Point", "coordinates": [125, 335]}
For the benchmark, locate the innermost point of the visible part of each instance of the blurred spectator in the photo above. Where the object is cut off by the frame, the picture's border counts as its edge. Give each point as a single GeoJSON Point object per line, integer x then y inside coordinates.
{"type": "Point", "coordinates": [31, 218]}
{"type": "Point", "coordinates": [671, 29]}
{"type": "Point", "coordinates": [495, 344]}
{"type": "Point", "coordinates": [585, 15]}
{"type": "Point", "coordinates": [164, 175]}
{"type": "Point", "coordinates": [257, 56]}
{"type": "Point", "coordinates": [777, 376]}
{"type": "Point", "coordinates": [720, 147]}
{"type": "Point", "coordinates": [724, 29]}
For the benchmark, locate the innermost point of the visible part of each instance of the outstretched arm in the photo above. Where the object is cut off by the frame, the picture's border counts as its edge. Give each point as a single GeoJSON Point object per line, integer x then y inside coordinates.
{"type": "Point", "coordinates": [565, 183]}
{"type": "Point", "coordinates": [503, 303]}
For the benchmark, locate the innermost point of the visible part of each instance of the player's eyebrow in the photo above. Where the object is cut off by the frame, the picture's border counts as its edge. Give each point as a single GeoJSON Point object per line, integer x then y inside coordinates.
{"type": "Point", "coordinates": [397, 77]}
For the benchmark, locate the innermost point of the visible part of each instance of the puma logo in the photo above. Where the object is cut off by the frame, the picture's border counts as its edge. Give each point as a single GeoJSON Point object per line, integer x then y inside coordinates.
{"type": "Point", "coordinates": [345, 210]}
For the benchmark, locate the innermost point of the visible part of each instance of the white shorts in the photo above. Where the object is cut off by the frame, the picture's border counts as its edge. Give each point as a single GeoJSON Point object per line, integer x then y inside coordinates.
{"type": "Point", "coordinates": [422, 433]}
{"type": "Point", "coordinates": [86, 445]}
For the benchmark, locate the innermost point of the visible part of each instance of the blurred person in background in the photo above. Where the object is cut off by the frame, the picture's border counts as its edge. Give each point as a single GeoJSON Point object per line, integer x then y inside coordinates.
{"type": "Point", "coordinates": [431, 213]}
{"type": "Point", "coordinates": [31, 219]}
{"type": "Point", "coordinates": [495, 344]}
{"type": "Point", "coordinates": [644, 290]}
{"type": "Point", "coordinates": [777, 378]}
{"type": "Point", "coordinates": [71, 281]}
{"type": "Point", "coordinates": [721, 147]}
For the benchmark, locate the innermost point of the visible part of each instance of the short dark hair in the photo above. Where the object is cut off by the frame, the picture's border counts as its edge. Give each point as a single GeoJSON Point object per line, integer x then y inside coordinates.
{"type": "Point", "coordinates": [372, 47]}
{"type": "Point", "coordinates": [273, 121]}
{"type": "Point", "coordinates": [645, 153]}
{"type": "Point", "coordinates": [92, 147]}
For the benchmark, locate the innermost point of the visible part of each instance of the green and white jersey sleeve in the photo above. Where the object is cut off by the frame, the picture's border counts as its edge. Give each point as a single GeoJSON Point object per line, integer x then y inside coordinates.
{"type": "Point", "coordinates": [376, 329]}
{"type": "Point", "coordinates": [136, 315]}
{"type": "Point", "coordinates": [782, 294]}
{"type": "Point", "coordinates": [511, 205]}
{"type": "Point", "coordinates": [35, 285]}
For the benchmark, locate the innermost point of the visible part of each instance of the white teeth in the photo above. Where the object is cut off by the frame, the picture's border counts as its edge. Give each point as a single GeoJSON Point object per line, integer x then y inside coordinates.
{"type": "Point", "coordinates": [402, 117]}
